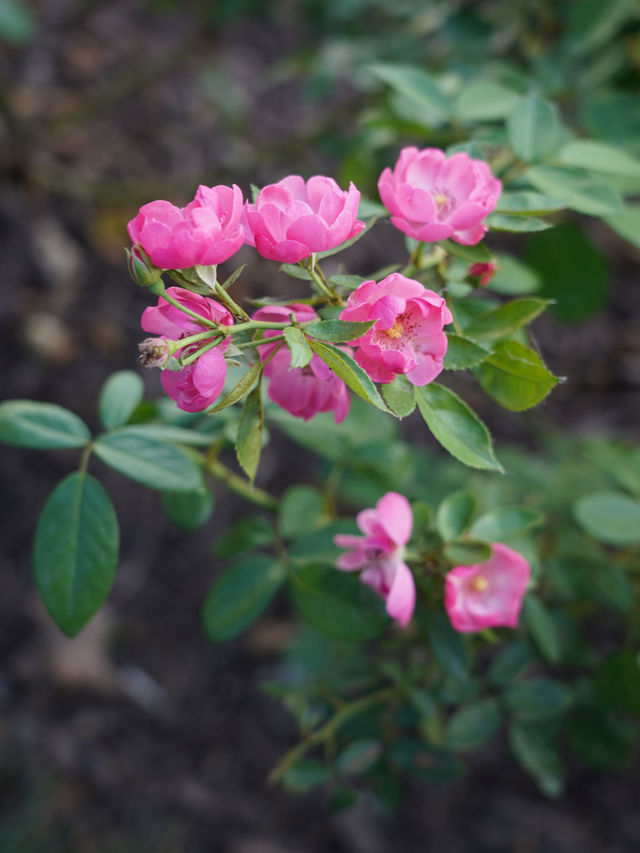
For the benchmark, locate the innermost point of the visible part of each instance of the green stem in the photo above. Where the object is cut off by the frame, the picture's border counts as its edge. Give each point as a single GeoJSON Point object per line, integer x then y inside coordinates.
{"type": "Point", "coordinates": [239, 486]}
{"type": "Point", "coordinates": [84, 459]}
{"type": "Point", "coordinates": [328, 730]}
{"type": "Point", "coordinates": [257, 324]}
{"type": "Point", "coordinates": [226, 300]}
{"type": "Point", "coordinates": [195, 355]}
{"type": "Point", "coordinates": [192, 339]}
{"type": "Point", "coordinates": [203, 321]}
{"type": "Point", "coordinates": [318, 276]}
{"type": "Point", "coordinates": [261, 342]}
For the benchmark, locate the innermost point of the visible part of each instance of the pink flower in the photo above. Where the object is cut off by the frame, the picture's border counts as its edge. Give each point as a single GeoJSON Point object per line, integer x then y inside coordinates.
{"type": "Point", "coordinates": [292, 219]}
{"type": "Point", "coordinates": [483, 271]}
{"type": "Point", "coordinates": [198, 384]}
{"type": "Point", "coordinates": [302, 391]}
{"type": "Point", "coordinates": [432, 197]}
{"type": "Point", "coordinates": [408, 336]}
{"type": "Point", "coordinates": [379, 553]}
{"type": "Point", "coordinates": [207, 231]}
{"type": "Point", "coordinates": [487, 594]}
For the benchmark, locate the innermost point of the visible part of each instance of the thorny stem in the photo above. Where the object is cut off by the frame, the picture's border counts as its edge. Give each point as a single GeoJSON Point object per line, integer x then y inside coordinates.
{"type": "Point", "coordinates": [195, 355]}
{"type": "Point", "coordinates": [328, 730]}
{"type": "Point", "coordinates": [192, 339]}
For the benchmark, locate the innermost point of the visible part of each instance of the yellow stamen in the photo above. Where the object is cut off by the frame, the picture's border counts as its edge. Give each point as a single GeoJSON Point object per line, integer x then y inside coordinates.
{"type": "Point", "coordinates": [396, 331]}
{"type": "Point", "coordinates": [440, 199]}
{"type": "Point", "coordinates": [479, 583]}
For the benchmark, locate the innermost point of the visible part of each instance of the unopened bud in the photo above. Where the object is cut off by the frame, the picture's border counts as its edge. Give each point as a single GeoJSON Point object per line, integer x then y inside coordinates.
{"type": "Point", "coordinates": [155, 352]}
{"type": "Point", "coordinates": [144, 274]}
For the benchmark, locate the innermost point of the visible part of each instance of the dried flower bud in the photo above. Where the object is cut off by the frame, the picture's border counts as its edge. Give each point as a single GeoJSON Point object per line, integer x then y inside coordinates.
{"type": "Point", "coordinates": [155, 352]}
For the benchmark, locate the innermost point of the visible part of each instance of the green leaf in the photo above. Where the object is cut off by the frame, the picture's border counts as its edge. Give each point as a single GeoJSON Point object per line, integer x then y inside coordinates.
{"type": "Point", "coordinates": [535, 751]}
{"type": "Point", "coordinates": [620, 461]}
{"type": "Point", "coordinates": [602, 742]}
{"type": "Point", "coordinates": [456, 427]}
{"type": "Point", "coordinates": [542, 628]}
{"type": "Point", "coordinates": [41, 426]}
{"type": "Point", "coordinates": [252, 531]}
{"type": "Point", "coordinates": [580, 191]}
{"type": "Point", "coordinates": [337, 331]}
{"type": "Point", "coordinates": [235, 275]}
{"type": "Point", "coordinates": [301, 353]}
{"type": "Point", "coordinates": [533, 128]}
{"type": "Point", "coordinates": [300, 508]}
{"type": "Point", "coordinates": [189, 510]}
{"type": "Point", "coordinates": [296, 271]}
{"type": "Point", "coordinates": [514, 278]}
{"type": "Point", "coordinates": [149, 461]}
{"type": "Point", "coordinates": [599, 157]}
{"type": "Point", "coordinates": [447, 645]}
{"type": "Point", "coordinates": [616, 682]}
{"type": "Point", "coordinates": [359, 756]}
{"type": "Point", "coordinates": [484, 100]}
{"type": "Point", "coordinates": [516, 224]}
{"type": "Point", "coordinates": [350, 372]}
{"type": "Point", "coordinates": [349, 282]}
{"type": "Point", "coordinates": [591, 24]}
{"type": "Point", "coordinates": [510, 662]}
{"type": "Point", "coordinates": [119, 397]}
{"type": "Point", "coordinates": [337, 604]}
{"type": "Point", "coordinates": [515, 376]}
{"type": "Point", "coordinates": [462, 353]}
{"type": "Point", "coordinates": [472, 724]}
{"type": "Point", "coordinates": [505, 320]}
{"type": "Point", "coordinates": [400, 396]}
{"type": "Point", "coordinates": [467, 552]}
{"type": "Point", "coordinates": [169, 434]}
{"type": "Point", "coordinates": [537, 699]}
{"type": "Point", "coordinates": [249, 438]}
{"type": "Point", "coordinates": [245, 386]}
{"type": "Point", "coordinates": [17, 23]}
{"type": "Point", "coordinates": [610, 517]}
{"type": "Point", "coordinates": [429, 763]}
{"type": "Point", "coordinates": [416, 85]}
{"type": "Point", "coordinates": [573, 271]}
{"type": "Point", "coordinates": [526, 203]}
{"type": "Point", "coordinates": [505, 522]}
{"type": "Point", "coordinates": [627, 224]}
{"type": "Point", "coordinates": [305, 774]}
{"type": "Point", "coordinates": [454, 515]}
{"type": "Point", "coordinates": [240, 594]}
{"type": "Point", "coordinates": [76, 551]}
{"type": "Point", "coordinates": [478, 254]}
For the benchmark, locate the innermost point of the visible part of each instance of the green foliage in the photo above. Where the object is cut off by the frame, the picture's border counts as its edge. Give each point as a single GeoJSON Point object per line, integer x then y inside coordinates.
{"type": "Point", "coordinates": [41, 426]}
{"type": "Point", "coordinates": [120, 395]}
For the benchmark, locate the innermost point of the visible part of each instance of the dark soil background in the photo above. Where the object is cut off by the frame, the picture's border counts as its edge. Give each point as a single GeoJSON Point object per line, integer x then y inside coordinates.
{"type": "Point", "coordinates": [141, 735]}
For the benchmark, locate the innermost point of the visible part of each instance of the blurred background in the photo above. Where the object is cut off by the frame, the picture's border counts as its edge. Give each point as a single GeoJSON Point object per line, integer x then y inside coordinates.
{"type": "Point", "coordinates": [141, 735]}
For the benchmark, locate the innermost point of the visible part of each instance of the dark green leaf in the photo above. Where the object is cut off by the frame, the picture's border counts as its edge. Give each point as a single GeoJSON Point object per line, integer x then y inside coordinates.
{"type": "Point", "coordinates": [454, 515]}
{"type": "Point", "coordinates": [510, 662]}
{"type": "Point", "coordinates": [189, 510]}
{"type": "Point", "coordinates": [245, 386]}
{"type": "Point", "coordinates": [252, 531]}
{"type": "Point", "coordinates": [602, 742]}
{"type": "Point", "coordinates": [617, 683]}
{"type": "Point", "coordinates": [337, 604]}
{"type": "Point", "coordinates": [478, 254]}
{"type": "Point", "coordinates": [301, 353]}
{"type": "Point", "coordinates": [610, 517]}
{"type": "Point", "coordinates": [429, 763]}
{"type": "Point", "coordinates": [149, 461]}
{"type": "Point", "coordinates": [472, 724]}
{"type": "Point", "coordinates": [76, 551]}
{"type": "Point", "coordinates": [533, 128]}
{"type": "Point", "coordinates": [536, 752]}
{"type": "Point", "coordinates": [400, 396]}
{"type": "Point", "coordinates": [542, 628]}
{"type": "Point", "coordinates": [515, 376]}
{"type": "Point", "coordinates": [300, 509]}
{"type": "Point", "coordinates": [249, 438]}
{"type": "Point", "coordinates": [505, 522]}
{"type": "Point", "coordinates": [506, 319]}
{"type": "Point", "coordinates": [120, 395]}
{"type": "Point", "coordinates": [305, 774]}
{"type": "Point", "coordinates": [350, 372]}
{"type": "Point", "coordinates": [41, 426]}
{"type": "Point", "coordinates": [467, 552]}
{"type": "Point", "coordinates": [462, 353]}
{"type": "Point", "coordinates": [240, 594]}
{"type": "Point", "coordinates": [337, 331]}
{"type": "Point", "coordinates": [359, 756]}
{"type": "Point", "coordinates": [456, 427]}
{"type": "Point", "coordinates": [537, 699]}
{"type": "Point", "coordinates": [447, 645]}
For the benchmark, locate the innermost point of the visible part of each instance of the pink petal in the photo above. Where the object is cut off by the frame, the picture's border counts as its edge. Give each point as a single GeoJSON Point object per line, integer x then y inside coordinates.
{"type": "Point", "coordinates": [401, 599]}
{"type": "Point", "coordinates": [395, 517]}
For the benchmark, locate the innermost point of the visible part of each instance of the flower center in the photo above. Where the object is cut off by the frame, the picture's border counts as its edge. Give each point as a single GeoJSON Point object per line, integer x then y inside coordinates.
{"type": "Point", "coordinates": [396, 331]}
{"type": "Point", "coordinates": [479, 583]}
{"type": "Point", "coordinates": [444, 202]}
{"type": "Point", "coordinates": [440, 199]}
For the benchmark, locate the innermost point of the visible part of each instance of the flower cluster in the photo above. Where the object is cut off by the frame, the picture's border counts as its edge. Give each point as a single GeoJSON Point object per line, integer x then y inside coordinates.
{"type": "Point", "coordinates": [484, 595]}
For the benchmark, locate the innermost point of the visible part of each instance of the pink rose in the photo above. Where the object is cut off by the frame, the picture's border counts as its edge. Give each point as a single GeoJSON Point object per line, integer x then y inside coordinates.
{"type": "Point", "coordinates": [197, 385]}
{"type": "Point", "coordinates": [207, 231]}
{"type": "Point", "coordinates": [292, 219]}
{"type": "Point", "coordinates": [302, 391]}
{"type": "Point", "coordinates": [487, 594]}
{"type": "Point", "coordinates": [483, 271]}
{"type": "Point", "coordinates": [379, 553]}
{"type": "Point", "coordinates": [432, 197]}
{"type": "Point", "coordinates": [408, 336]}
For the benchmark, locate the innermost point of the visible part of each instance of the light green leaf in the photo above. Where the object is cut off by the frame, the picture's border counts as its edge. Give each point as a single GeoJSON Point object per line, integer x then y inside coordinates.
{"type": "Point", "coordinates": [463, 353]}
{"type": "Point", "coordinates": [610, 517]}
{"type": "Point", "coordinates": [337, 331]}
{"type": "Point", "coordinates": [580, 191]}
{"type": "Point", "coordinates": [484, 100]}
{"type": "Point", "coordinates": [400, 396]}
{"type": "Point", "coordinates": [301, 353]}
{"type": "Point", "coordinates": [416, 85]}
{"type": "Point", "coordinates": [627, 223]}
{"type": "Point", "coordinates": [349, 282]}
{"type": "Point", "coordinates": [249, 438]}
{"type": "Point", "coordinates": [526, 203]}
{"type": "Point", "coordinates": [240, 594]}
{"type": "Point", "coordinates": [456, 427]}
{"type": "Point", "coordinates": [41, 426]}
{"type": "Point", "coordinates": [149, 461]}
{"type": "Point", "coordinates": [296, 271]}
{"type": "Point", "coordinates": [189, 510]}
{"type": "Point", "coordinates": [119, 396]}
{"type": "Point", "coordinates": [533, 128]}
{"type": "Point", "coordinates": [300, 508]}
{"type": "Point", "coordinates": [506, 319]}
{"type": "Point", "coordinates": [478, 254]}
{"type": "Point", "coordinates": [513, 278]}
{"type": "Point", "coordinates": [245, 385]}
{"type": "Point", "coordinates": [454, 515]}
{"type": "Point", "coordinates": [350, 372]}
{"type": "Point", "coordinates": [505, 522]}
{"type": "Point", "coordinates": [169, 434]}
{"type": "Point", "coordinates": [467, 552]}
{"type": "Point", "coordinates": [516, 224]}
{"type": "Point", "coordinates": [76, 551]}
{"type": "Point", "coordinates": [599, 157]}
{"type": "Point", "coordinates": [17, 24]}
{"type": "Point", "coordinates": [515, 376]}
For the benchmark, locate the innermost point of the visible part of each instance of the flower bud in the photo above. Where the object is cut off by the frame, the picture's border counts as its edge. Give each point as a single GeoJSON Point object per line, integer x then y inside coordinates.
{"type": "Point", "coordinates": [142, 273]}
{"type": "Point", "coordinates": [156, 352]}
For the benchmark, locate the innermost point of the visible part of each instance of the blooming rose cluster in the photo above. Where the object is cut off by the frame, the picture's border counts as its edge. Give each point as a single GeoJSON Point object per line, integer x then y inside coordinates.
{"type": "Point", "coordinates": [484, 595]}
